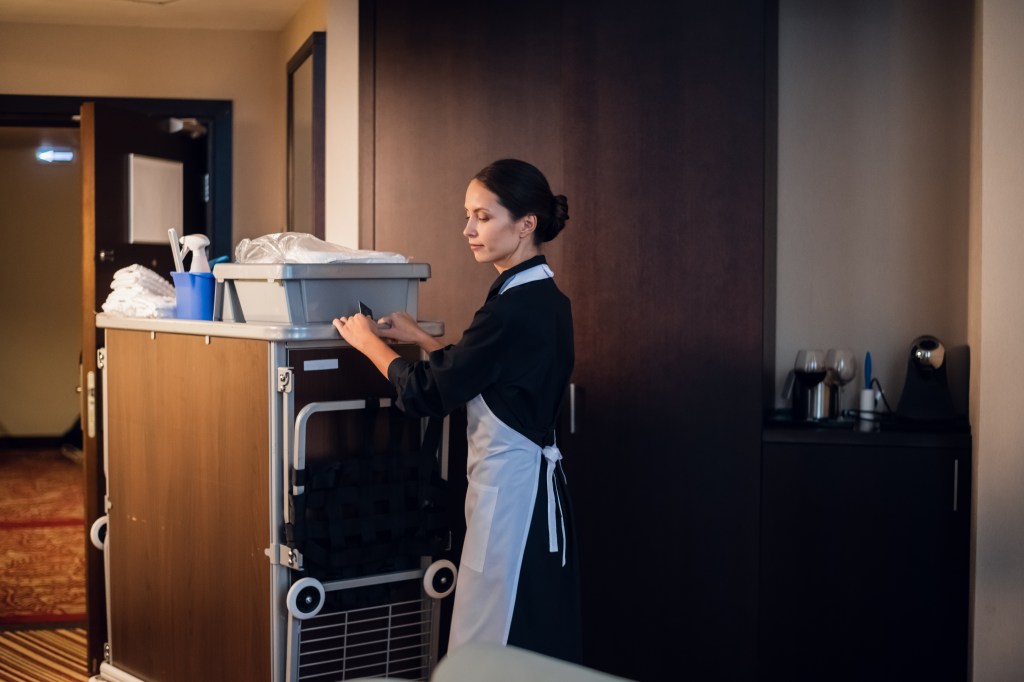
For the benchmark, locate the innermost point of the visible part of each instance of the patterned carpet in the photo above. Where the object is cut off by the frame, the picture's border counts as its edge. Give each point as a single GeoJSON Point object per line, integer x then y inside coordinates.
{"type": "Point", "coordinates": [42, 541]}
{"type": "Point", "coordinates": [43, 655]}
{"type": "Point", "coordinates": [42, 567]}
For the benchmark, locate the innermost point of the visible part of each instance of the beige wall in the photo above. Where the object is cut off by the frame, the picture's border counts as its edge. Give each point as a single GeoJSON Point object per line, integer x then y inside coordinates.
{"type": "Point", "coordinates": [340, 18]}
{"type": "Point", "coordinates": [997, 291]}
{"type": "Point", "coordinates": [341, 209]}
{"type": "Point", "coordinates": [312, 16]}
{"type": "Point", "coordinates": [242, 66]}
{"type": "Point", "coordinates": [873, 184]}
{"type": "Point", "coordinates": [40, 293]}
{"type": "Point", "coordinates": [246, 67]}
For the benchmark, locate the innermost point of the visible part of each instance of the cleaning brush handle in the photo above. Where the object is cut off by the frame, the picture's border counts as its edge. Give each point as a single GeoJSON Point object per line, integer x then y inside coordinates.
{"type": "Point", "coordinates": [172, 234]}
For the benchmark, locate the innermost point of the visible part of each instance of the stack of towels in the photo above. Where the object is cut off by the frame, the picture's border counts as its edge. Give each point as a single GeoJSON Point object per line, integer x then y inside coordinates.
{"type": "Point", "coordinates": [137, 291]}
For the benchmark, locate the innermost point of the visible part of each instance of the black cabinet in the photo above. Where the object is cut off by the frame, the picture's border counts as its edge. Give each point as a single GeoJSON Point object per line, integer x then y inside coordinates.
{"type": "Point", "coordinates": [865, 541]}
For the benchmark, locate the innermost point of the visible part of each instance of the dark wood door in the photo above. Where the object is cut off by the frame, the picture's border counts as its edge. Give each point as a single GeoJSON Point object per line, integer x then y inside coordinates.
{"type": "Point", "coordinates": [654, 119]}
{"type": "Point", "coordinates": [108, 135]}
{"type": "Point", "coordinates": [450, 97]}
{"type": "Point", "coordinates": [116, 134]}
{"type": "Point", "coordinates": [665, 171]}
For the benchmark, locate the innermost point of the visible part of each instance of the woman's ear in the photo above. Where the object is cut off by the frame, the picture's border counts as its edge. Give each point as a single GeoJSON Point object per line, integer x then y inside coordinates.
{"type": "Point", "coordinates": [527, 224]}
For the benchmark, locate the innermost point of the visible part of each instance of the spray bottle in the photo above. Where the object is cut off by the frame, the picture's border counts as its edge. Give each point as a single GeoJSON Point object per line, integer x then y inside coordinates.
{"type": "Point", "coordinates": [196, 243]}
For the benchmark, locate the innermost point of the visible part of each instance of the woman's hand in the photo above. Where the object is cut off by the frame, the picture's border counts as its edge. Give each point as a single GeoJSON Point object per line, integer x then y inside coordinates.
{"type": "Point", "coordinates": [361, 333]}
{"type": "Point", "coordinates": [359, 330]}
{"type": "Point", "coordinates": [399, 326]}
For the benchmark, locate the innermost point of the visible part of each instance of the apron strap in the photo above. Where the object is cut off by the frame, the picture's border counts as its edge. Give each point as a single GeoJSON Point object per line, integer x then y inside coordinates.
{"type": "Point", "coordinates": [553, 455]}
{"type": "Point", "coordinates": [551, 452]}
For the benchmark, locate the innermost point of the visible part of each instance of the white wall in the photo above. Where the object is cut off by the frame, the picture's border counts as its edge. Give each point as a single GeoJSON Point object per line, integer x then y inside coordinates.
{"type": "Point", "coordinates": [997, 331]}
{"type": "Point", "coordinates": [873, 179]}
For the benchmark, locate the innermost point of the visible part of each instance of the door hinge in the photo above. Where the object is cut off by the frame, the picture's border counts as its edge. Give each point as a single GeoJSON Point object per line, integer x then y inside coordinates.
{"type": "Point", "coordinates": [284, 379]}
{"type": "Point", "coordinates": [191, 126]}
{"type": "Point", "coordinates": [101, 358]}
{"type": "Point", "coordinates": [283, 555]}
{"type": "Point", "coordinates": [206, 188]}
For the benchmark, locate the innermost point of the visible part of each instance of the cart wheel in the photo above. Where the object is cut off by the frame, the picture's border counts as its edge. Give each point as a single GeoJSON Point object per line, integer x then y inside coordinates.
{"type": "Point", "coordinates": [439, 579]}
{"type": "Point", "coordinates": [305, 598]}
{"type": "Point", "coordinates": [98, 533]}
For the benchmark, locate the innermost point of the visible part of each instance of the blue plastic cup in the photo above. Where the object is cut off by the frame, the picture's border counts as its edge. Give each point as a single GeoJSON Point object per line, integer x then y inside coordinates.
{"type": "Point", "coordinates": [193, 295]}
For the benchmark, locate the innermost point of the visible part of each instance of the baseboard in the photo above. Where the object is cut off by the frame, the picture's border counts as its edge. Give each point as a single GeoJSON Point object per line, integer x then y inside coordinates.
{"type": "Point", "coordinates": [30, 442]}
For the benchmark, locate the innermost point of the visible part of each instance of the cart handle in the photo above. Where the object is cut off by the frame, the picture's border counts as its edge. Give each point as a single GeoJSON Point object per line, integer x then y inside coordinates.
{"type": "Point", "coordinates": [299, 451]}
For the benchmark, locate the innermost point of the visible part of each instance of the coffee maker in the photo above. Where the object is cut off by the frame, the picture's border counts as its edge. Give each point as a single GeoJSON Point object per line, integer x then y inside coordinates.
{"type": "Point", "coordinates": [926, 396]}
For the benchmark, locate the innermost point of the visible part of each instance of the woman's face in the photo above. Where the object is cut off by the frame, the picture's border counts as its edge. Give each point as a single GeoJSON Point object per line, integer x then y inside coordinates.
{"type": "Point", "coordinates": [494, 237]}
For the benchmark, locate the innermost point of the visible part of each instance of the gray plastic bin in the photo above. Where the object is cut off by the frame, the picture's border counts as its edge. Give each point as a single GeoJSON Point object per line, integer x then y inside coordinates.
{"type": "Point", "coordinates": [304, 294]}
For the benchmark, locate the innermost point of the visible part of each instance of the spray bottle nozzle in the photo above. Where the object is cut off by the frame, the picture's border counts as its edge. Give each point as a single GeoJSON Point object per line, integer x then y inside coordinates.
{"type": "Point", "coordinates": [196, 244]}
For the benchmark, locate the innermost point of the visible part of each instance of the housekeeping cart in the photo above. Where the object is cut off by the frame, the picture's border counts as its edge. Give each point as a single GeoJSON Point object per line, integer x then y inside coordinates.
{"type": "Point", "coordinates": [271, 515]}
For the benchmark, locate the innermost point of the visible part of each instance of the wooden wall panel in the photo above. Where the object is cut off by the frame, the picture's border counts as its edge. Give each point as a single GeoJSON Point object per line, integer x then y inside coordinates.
{"type": "Point", "coordinates": [654, 120]}
{"type": "Point", "coordinates": [457, 86]}
{"type": "Point", "coordinates": [666, 159]}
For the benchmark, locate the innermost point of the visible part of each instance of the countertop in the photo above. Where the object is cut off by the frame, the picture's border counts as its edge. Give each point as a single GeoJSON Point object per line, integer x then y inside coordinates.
{"type": "Point", "coordinates": [779, 427]}
{"type": "Point", "coordinates": [239, 330]}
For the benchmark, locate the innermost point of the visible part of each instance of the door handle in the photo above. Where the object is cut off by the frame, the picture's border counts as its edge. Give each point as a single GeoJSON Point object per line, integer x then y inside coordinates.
{"type": "Point", "coordinates": [956, 482]}
{"type": "Point", "coordinates": [106, 255]}
{"type": "Point", "coordinates": [90, 404]}
{"type": "Point", "coordinates": [572, 408]}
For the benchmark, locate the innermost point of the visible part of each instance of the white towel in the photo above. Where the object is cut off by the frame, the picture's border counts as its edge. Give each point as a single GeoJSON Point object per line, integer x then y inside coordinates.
{"type": "Point", "coordinates": [139, 304]}
{"type": "Point", "coordinates": [137, 291]}
{"type": "Point", "coordinates": [136, 275]}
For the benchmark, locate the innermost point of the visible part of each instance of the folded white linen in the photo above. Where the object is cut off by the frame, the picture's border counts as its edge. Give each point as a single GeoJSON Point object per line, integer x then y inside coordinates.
{"type": "Point", "coordinates": [141, 276]}
{"type": "Point", "coordinates": [139, 304]}
{"type": "Point", "coordinates": [137, 291]}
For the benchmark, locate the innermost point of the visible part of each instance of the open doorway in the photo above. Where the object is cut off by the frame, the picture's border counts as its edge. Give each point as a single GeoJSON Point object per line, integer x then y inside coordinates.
{"type": "Point", "coordinates": [104, 141]}
{"type": "Point", "coordinates": [40, 284]}
{"type": "Point", "coordinates": [41, 474]}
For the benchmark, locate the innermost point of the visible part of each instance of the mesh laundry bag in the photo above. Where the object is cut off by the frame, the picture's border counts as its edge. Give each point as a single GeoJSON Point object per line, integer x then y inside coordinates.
{"type": "Point", "coordinates": [377, 511]}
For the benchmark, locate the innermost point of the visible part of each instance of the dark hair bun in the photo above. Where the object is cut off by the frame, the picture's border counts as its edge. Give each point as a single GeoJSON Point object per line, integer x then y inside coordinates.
{"type": "Point", "coordinates": [559, 214]}
{"type": "Point", "coordinates": [523, 189]}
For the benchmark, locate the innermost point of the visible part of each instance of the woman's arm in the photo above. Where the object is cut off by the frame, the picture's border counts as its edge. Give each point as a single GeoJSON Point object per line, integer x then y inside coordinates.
{"type": "Point", "coordinates": [450, 376]}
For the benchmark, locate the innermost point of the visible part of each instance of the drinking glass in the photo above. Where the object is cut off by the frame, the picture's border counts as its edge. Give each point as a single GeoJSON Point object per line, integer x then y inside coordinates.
{"type": "Point", "coordinates": [842, 366]}
{"type": "Point", "coordinates": [810, 367]}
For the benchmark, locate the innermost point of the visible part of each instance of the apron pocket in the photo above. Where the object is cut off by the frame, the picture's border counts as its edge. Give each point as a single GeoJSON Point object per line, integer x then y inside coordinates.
{"type": "Point", "coordinates": [480, 503]}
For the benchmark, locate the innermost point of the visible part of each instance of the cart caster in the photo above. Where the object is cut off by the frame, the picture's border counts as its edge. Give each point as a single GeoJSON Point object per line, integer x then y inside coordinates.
{"type": "Point", "coordinates": [305, 598]}
{"type": "Point", "coordinates": [439, 579]}
{"type": "Point", "coordinates": [98, 533]}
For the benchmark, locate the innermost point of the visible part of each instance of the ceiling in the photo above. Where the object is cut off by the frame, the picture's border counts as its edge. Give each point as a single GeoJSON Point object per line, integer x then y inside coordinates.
{"type": "Point", "coordinates": [243, 15]}
{"type": "Point", "coordinates": [239, 15]}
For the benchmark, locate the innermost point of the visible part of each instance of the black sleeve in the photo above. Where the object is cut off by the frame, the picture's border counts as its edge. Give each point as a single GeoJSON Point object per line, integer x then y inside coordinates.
{"type": "Point", "coordinates": [454, 375]}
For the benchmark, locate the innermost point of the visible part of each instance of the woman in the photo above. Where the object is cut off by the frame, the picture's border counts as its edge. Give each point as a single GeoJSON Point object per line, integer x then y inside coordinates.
{"type": "Point", "coordinates": [518, 576]}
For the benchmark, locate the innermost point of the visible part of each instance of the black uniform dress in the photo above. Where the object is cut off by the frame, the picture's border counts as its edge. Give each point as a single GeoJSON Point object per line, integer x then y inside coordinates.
{"type": "Point", "coordinates": [517, 355]}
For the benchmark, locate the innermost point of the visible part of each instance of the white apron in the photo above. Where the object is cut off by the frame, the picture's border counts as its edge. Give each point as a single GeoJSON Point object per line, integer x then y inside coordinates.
{"type": "Point", "coordinates": [503, 471]}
